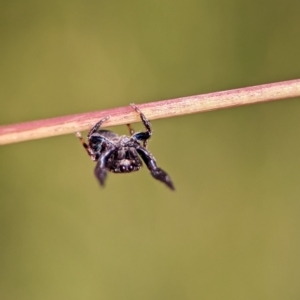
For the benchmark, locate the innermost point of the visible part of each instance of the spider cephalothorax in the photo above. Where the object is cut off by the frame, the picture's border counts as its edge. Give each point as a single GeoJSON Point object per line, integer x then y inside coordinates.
{"type": "Point", "coordinates": [122, 154]}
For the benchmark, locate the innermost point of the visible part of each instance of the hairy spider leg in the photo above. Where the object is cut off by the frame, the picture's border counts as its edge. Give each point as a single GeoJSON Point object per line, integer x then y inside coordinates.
{"type": "Point", "coordinates": [142, 136]}
{"type": "Point", "coordinates": [131, 130]}
{"type": "Point", "coordinates": [88, 149]}
{"type": "Point", "coordinates": [100, 171]}
{"type": "Point", "coordinates": [94, 156]}
{"type": "Point", "coordinates": [96, 127]}
{"type": "Point", "coordinates": [155, 171]}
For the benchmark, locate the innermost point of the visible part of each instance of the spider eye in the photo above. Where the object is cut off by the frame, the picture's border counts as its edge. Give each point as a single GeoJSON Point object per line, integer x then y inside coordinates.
{"type": "Point", "coordinates": [130, 167]}
{"type": "Point", "coordinates": [123, 168]}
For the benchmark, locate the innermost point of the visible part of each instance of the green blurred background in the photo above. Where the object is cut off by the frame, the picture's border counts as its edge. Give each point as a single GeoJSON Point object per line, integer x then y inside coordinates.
{"type": "Point", "coordinates": [232, 228]}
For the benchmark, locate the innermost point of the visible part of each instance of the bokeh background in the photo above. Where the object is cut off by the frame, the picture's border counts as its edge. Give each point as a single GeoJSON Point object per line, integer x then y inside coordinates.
{"type": "Point", "coordinates": [231, 230]}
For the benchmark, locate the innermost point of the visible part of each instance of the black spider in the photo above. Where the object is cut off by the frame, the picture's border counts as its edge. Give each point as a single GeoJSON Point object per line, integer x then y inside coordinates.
{"type": "Point", "coordinates": [122, 154]}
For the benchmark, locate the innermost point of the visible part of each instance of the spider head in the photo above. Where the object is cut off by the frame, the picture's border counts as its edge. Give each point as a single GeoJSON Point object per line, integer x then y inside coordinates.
{"type": "Point", "coordinates": [124, 160]}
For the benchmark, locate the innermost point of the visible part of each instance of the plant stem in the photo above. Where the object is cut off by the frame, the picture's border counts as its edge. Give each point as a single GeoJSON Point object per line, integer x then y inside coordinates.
{"type": "Point", "coordinates": [154, 110]}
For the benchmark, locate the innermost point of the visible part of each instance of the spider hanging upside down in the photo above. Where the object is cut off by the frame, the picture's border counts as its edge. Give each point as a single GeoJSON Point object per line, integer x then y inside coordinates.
{"type": "Point", "coordinates": [122, 154]}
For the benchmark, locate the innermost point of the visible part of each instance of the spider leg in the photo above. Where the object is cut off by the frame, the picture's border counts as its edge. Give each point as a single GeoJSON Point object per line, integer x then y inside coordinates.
{"type": "Point", "coordinates": [131, 130]}
{"type": "Point", "coordinates": [88, 149]}
{"type": "Point", "coordinates": [100, 171]}
{"type": "Point", "coordinates": [97, 126]}
{"type": "Point", "coordinates": [142, 136]}
{"type": "Point", "coordinates": [155, 171]}
{"type": "Point", "coordinates": [86, 146]}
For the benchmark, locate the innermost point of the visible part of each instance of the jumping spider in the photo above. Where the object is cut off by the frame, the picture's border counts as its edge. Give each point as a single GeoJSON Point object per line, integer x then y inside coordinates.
{"type": "Point", "coordinates": [122, 154]}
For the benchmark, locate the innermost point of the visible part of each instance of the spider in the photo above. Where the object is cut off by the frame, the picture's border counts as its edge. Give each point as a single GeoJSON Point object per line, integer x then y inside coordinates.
{"type": "Point", "coordinates": [122, 154]}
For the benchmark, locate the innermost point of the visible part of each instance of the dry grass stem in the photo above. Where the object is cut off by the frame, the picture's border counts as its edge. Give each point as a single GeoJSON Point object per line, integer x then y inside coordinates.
{"type": "Point", "coordinates": [154, 110]}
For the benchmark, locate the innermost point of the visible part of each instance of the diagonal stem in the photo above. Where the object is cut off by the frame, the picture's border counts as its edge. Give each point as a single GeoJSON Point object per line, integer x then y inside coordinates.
{"type": "Point", "coordinates": [153, 110]}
